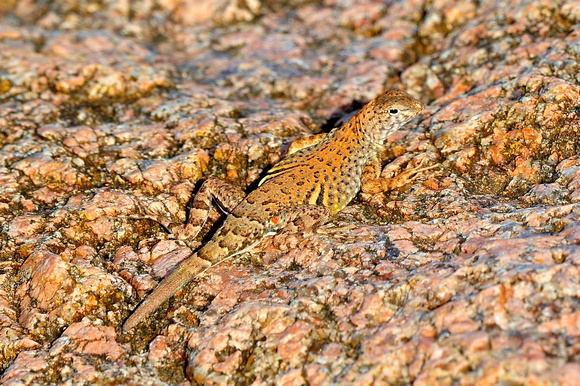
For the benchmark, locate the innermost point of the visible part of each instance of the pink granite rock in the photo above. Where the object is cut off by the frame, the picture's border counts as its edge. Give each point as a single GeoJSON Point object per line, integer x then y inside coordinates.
{"type": "Point", "coordinates": [112, 113]}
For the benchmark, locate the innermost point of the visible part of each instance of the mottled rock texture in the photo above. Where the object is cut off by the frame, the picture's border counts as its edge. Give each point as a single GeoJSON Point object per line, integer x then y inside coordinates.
{"type": "Point", "coordinates": [469, 274]}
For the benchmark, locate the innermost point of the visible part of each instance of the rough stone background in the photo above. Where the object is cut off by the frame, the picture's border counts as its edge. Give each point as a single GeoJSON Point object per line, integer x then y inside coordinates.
{"type": "Point", "coordinates": [469, 274]}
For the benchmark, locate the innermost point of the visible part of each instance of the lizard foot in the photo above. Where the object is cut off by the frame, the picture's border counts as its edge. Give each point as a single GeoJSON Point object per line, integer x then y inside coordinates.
{"type": "Point", "coordinates": [392, 178]}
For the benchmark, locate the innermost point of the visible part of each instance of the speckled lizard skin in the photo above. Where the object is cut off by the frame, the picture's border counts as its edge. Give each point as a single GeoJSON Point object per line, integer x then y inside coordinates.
{"type": "Point", "coordinates": [318, 178]}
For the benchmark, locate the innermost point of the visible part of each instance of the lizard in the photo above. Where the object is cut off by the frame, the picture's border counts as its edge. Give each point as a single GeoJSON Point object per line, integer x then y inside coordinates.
{"type": "Point", "coordinates": [317, 178]}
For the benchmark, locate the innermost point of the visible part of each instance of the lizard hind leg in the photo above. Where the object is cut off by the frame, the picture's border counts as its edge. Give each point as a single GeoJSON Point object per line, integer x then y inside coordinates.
{"type": "Point", "coordinates": [213, 192]}
{"type": "Point", "coordinates": [301, 219]}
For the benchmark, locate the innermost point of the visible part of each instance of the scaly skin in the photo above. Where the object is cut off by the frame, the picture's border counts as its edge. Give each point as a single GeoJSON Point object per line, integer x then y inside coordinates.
{"type": "Point", "coordinates": [317, 179]}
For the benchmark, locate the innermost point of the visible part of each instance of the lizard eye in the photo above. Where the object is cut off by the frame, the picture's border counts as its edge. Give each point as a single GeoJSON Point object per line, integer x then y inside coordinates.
{"type": "Point", "coordinates": [394, 111]}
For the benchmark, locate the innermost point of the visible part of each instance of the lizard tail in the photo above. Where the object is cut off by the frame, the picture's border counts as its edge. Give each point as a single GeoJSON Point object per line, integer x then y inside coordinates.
{"type": "Point", "coordinates": [178, 278]}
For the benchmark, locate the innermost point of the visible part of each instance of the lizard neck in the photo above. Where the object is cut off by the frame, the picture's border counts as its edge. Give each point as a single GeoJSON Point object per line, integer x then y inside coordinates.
{"type": "Point", "coordinates": [368, 128]}
{"type": "Point", "coordinates": [360, 134]}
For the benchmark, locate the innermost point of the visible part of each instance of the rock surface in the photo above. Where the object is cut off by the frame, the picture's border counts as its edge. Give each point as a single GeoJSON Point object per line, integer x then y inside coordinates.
{"type": "Point", "coordinates": [469, 274]}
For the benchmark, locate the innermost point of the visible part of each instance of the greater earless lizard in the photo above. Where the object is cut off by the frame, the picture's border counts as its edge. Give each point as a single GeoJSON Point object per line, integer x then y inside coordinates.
{"type": "Point", "coordinates": [318, 177]}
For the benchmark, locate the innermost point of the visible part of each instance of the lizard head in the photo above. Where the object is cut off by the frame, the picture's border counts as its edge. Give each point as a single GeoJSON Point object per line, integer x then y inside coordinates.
{"type": "Point", "coordinates": [390, 111]}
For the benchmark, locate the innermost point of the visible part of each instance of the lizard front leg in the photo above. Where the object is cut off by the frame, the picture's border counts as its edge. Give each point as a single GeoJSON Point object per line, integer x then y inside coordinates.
{"type": "Point", "coordinates": [370, 182]}
{"type": "Point", "coordinates": [373, 183]}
